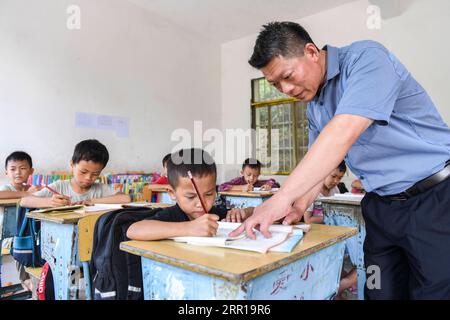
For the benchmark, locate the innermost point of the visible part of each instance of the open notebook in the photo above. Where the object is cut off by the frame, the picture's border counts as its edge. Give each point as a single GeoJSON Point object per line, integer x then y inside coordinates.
{"type": "Point", "coordinates": [346, 196]}
{"type": "Point", "coordinates": [284, 239]}
{"type": "Point", "coordinates": [258, 190]}
{"type": "Point", "coordinates": [81, 208]}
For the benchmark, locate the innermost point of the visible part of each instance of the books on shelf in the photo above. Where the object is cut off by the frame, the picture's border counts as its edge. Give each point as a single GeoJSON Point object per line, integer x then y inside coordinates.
{"type": "Point", "coordinates": [46, 179]}
{"type": "Point", "coordinates": [284, 239]}
{"type": "Point", "coordinates": [132, 183]}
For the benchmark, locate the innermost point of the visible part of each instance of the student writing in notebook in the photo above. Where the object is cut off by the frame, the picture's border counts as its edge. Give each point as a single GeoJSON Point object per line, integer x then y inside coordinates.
{"type": "Point", "coordinates": [19, 166]}
{"type": "Point", "coordinates": [249, 179]}
{"type": "Point", "coordinates": [89, 159]}
{"type": "Point", "coordinates": [187, 217]}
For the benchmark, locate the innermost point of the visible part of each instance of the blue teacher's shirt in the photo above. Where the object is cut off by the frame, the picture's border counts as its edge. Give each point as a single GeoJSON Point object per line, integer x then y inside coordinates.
{"type": "Point", "coordinates": [408, 140]}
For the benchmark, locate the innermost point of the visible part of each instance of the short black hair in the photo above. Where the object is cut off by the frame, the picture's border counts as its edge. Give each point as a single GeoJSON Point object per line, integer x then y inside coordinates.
{"type": "Point", "coordinates": [90, 150]}
{"type": "Point", "coordinates": [342, 167]}
{"type": "Point", "coordinates": [165, 159]}
{"type": "Point", "coordinates": [19, 156]}
{"type": "Point", "coordinates": [198, 161]}
{"type": "Point", "coordinates": [252, 163]}
{"type": "Point", "coordinates": [286, 39]}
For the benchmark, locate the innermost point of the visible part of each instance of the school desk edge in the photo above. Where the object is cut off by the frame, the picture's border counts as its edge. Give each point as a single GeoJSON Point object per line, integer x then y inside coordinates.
{"type": "Point", "coordinates": [342, 201]}
{"type": "Point", "coordinates": [246, 194]}
{"type": "Point", "coordinates": [5, 202]}
{"type": "Point", "coordinates": [138, 248]}
{"type": "Point", "coordinates": [72, 217]}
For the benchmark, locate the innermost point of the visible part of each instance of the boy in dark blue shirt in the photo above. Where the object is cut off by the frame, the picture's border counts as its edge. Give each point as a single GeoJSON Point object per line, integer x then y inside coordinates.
{"type": "Point", "coordinates": [187, 217]}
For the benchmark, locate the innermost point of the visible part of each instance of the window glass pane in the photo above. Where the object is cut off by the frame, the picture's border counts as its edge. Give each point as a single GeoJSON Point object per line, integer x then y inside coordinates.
{"type": "Point", "coordinates": [262, 135]}
{"type": "Point", "coordinates": [302, 130]}
{"type": "Point", "coordinates": [282, 151]}
{"type": "Point", "coordinates": [263, 91]}
{"type": "Point", "coordinates": [281, 133]}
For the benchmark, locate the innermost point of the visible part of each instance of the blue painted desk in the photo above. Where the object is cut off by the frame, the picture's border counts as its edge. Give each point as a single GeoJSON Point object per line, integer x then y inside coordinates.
{"type": "Point", "coordinates": [347, 213]}
{"type": "Point", "coordinates": [162, 196]}
{"type": "Point", "coordinates": [59, 247]}
{"type": "Point", "coordinates": [8, 224]}
{"type": "Point", "coordinates": [312, 270]}
{"type": "Point", "coordinates": [239, 199]}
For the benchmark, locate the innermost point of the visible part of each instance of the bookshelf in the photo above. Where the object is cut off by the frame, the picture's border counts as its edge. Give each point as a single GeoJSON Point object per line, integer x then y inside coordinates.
{"type": "Point", "coordinates": [130, 182]}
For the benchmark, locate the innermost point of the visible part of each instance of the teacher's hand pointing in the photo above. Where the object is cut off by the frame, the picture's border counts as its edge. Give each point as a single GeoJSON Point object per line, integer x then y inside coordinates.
{"type": "Point", "coordinates": [265, 215]}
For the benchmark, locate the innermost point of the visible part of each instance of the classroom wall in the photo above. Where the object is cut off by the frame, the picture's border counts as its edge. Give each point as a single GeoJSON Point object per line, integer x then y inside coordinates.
{"type": "Point", "coordinates": [417, 37]}
{"type": "Point", "coordinates": [123, 62]}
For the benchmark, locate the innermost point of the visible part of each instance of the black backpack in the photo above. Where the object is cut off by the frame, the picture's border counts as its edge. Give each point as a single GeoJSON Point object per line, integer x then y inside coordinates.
{"type": "Point", "coordinates": [115, 274]}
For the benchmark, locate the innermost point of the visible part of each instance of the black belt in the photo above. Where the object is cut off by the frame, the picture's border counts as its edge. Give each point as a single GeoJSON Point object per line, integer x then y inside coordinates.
{"type": "Point", "coordinates": [423, 185]}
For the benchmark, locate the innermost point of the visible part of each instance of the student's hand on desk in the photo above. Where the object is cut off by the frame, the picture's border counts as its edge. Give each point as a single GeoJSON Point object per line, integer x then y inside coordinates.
{"type": "Point", "coordinates": [293, 217]}
{"type": "Point", "coordinates": [235, 215]}
{"type": "Point", "coordinates": [266, 187]}
{"type": "Point", "coordinates": [84, 202]}
{"type": "Point", "coordinates": [248, 187]}
{"type": "Point", "coordinates": [58, 200]}
{"type": "Point", "coordinates": [204, 226]}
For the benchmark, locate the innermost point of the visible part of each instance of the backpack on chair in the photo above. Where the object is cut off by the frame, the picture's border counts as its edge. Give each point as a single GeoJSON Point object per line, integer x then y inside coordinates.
{"type": "Point", "coordinates": [115, 274]}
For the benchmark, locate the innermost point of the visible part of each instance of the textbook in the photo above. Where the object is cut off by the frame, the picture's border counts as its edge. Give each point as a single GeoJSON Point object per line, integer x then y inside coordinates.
{"type": "Point", "coordinates": [284, 239]}
{"type": "Point", "coordinates": [60, 209]}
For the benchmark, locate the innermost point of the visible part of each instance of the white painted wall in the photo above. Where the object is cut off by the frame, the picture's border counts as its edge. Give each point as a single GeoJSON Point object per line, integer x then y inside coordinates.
{"type": "Point", "coordinates": [125, 61]}
{"type": "Point", "coordinates": [418, 37]}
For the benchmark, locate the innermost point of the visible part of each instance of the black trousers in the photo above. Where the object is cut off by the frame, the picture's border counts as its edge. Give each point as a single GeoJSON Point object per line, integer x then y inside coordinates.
{"type": "Point", "coordinates": [410, 243]}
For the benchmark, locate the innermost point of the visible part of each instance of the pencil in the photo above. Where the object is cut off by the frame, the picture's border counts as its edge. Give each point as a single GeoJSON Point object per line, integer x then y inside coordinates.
{"type": "Point", "coordinates": [196, 190]}
{"type": "Point", "coordinates": [52, 190]}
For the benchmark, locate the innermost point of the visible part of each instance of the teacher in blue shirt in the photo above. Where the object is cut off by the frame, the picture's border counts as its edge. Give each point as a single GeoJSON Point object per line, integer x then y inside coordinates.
{"type": "Point", "coordinates": [365, 107]}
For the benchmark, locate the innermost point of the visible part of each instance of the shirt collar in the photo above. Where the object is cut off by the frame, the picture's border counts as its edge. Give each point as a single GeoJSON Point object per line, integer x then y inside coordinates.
{"type": "Point", "coordinates": [333, 69]}
{"type": "Point", "coordinates": [332, 62]}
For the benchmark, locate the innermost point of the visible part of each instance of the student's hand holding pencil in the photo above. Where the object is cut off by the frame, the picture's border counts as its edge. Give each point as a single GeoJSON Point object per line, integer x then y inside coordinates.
{"type": "Point", "coordinates": [204, 226]}
{"type": "Point", "coordinates": [58, 200]}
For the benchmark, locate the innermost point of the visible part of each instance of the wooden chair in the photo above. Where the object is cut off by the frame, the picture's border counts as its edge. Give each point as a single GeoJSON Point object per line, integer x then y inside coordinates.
{"type": "Point", "coordinates": [147, 194]}
{"type": "Point", "coordinates": [86, 227]}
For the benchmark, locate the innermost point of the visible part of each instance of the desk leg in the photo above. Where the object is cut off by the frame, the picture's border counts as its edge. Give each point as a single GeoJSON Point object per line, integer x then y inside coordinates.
{"type": "Point", "coordinates": [350, 216]}
{"type": "Point", "coordinates": [59, 249]}
{"type": "Point", "coordinates": [314, 277]}
{"type": "Point", "coordinates": [8, 223]}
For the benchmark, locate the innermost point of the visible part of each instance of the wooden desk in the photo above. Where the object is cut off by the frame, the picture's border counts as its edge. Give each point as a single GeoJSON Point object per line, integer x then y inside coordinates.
{"type": "Point", "coordinates": [174, 270]}
{"type": "Point", "coordinates": [59, 247]}
{"type": "Point", "coordinates": [8, 224]}
{"type": "Point", "coordinates": [240, 199]}
{"type": "Point", "coordinates": [348, 213]}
